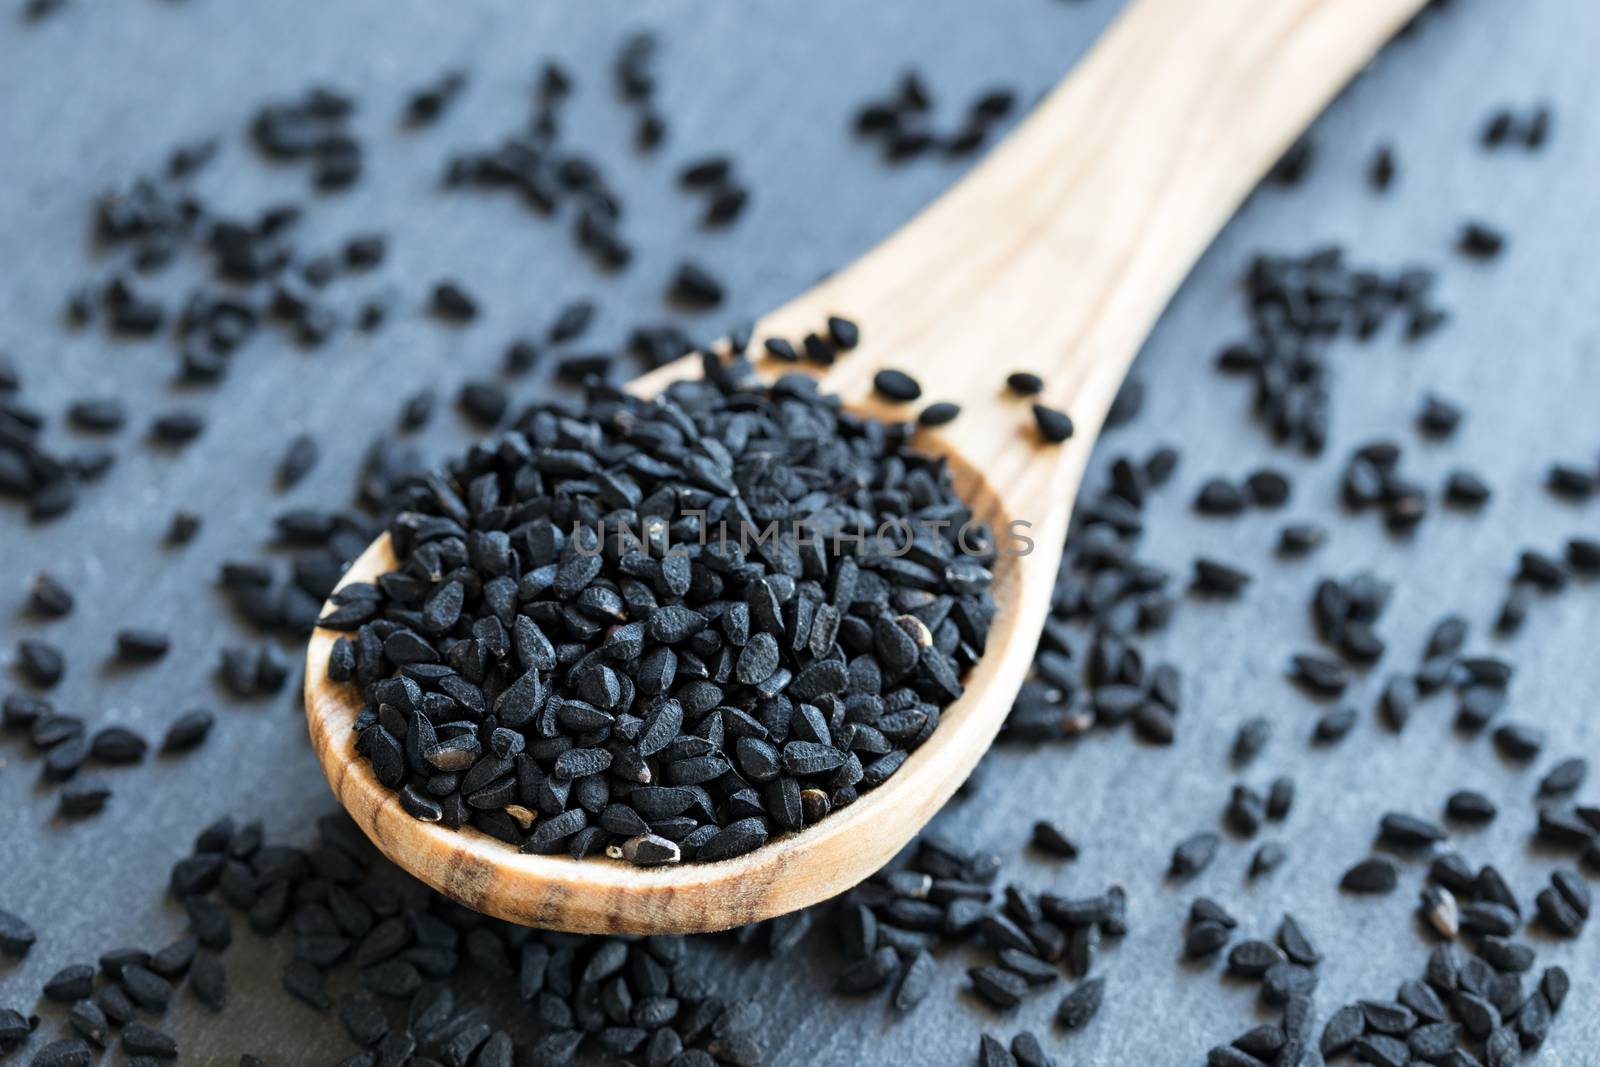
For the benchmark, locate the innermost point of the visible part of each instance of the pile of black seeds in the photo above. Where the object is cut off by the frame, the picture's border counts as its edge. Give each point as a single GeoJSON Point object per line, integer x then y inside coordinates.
{"type": "Point", "coordinates": [1299, 306]}
{"type": "Point", "coordinates": [403, 969]}
{"type": "Point", "coordinates": [903, 125]}
{"type": "Point", "coordinates": [665, 629]}
{"type": "Point", "coordinates": [1090, 669]}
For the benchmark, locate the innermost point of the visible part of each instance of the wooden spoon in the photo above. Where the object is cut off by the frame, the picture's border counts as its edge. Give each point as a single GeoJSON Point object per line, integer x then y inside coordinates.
{"type": "Point", "coordinates": [1056, 254]}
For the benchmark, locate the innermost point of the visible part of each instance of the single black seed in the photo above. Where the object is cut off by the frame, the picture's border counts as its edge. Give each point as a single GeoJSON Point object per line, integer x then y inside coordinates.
{"type": "Point", "coordinates": [1470, 806]}
{"type": "Point", "coordinates": [1381, 170]}
{"type": "Point", "coordinates": [1218, 496]}
{"type": "Point", "coordinates": [1438, 417]}
{"type": "Point", "coordinates": [1193, 854]}
{"type": "Point", "coordinates": [1252, 959]}
{"type": "Point", "coordinates": [1025, 383]}
{"type": "Point", "coordinates": [1204, 939]}
{"type": "Point", "coordinates": [299, 457]}
{"type": "Point", "coordinates": [991, 1053]}
{"type": "Point", "coordinates": [452, 303]}
{"type": "Point", "coordinates": [484, 402]}
{"type": "Point", "coordinates": [940, 413]}
{"type": "Point", "coordinates": [1219, 579]}
{"type": "Point", "coordinates": [694, 286]}
{"type": "Point", "coordinates": [1518, 741]}
{"type": "Point", "coordinates": [183, 528]}
{"type": "Point", "coordinates": [71, 983]}
{"type": "Point", "coordinates": [41, 662]}
{"type": "Point", "coordinates": [1480, 241]}
{"type": "Point", "coordinates": [49, 598]}
{"type": "Point", "coordinates": [999, 987]}
{"type": "Point", "coordinates": [1300, 538]}
{"type": "Point", "coordinates": [1334, 725]}
{"type": "Point", "coordinates": [16, 936]}
{"type": "Point", "coordinates": [1565, 777]}
{"type": "Point", "coordinates": [1268, 858]}
{"type": "Point", "coordinates": [896, 386]}
{"type": "Point", "coordinates": [188, 730]}
{"type": "Point", "coordinates": [1344, 1027]}
{"type": "Point", "coordinates": [177, 427]}
{"type": "Point", "coordinates": [1375, 875]}
{"type": "Point", "coordinates": [1078, 1007]}
{"type": "Point", "coordinates": [1054, 425]}
{"type": "Point", "coordinates": [1049, 837]}
{"type": "Point", "coordinates": [1029, 1052]}
{"type": "Point", "coordinates": [1408, 831]}
{"type": "Point", "coordinates": [141, 645]}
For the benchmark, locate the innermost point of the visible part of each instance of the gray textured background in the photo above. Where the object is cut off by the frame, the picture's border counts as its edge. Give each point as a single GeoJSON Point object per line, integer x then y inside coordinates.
{"type": "Point", "coordinates": [101, 92]}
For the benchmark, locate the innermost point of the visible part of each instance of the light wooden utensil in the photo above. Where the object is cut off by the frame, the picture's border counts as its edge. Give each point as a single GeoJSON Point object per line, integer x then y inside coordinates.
{"type": "Point", "coordinates": [1055, 254]}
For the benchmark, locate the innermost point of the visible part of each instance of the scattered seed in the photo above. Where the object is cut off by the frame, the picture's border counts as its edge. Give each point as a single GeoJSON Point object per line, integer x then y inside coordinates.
{"type": "Point", "coordinates": [896, 386]}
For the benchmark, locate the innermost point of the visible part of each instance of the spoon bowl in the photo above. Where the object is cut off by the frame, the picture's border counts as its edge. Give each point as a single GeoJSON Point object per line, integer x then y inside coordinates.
{"type": "Point", "coordinates": [603, 896]}
{"type": "Point", "coordinates": [1056, 255]}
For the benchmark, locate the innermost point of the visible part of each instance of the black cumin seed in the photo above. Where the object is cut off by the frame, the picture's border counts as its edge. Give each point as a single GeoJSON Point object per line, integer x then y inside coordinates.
{"type": "Point", "coordinates": [1054, 426]}
{"type": "Point", "coordinates": [1381, 170]}
{"type": "Point", "coordinates": [1320, 674]}
{"type": "Point", "coordinates": [1028, 1052]}
{"type": "Point", "coordinates": [1268, 488]}
{"type": "Point", "coordinates": [98, 414]}
{"type": "Point", "coordinates": [944, 412]}
{"type": "Point", "coordinates": [1219, 579]}
{"type": "Point", "coordinates": [1268, 858]}
{"type": "Point", "coordinates": [694, 286]}
{"type": "Point", "coordinates": [1001, 988]}
{"type": "Point", "coordinates": [1218, 496]}
{"type": "Point", "coordinates": [188, 730]}
{"type": "Point", "coordinates": [704, 172]}
{"type": "Point", "coordinates": [1438, 417]}
{"type": "Point", "coordinates": [16, 936]}
{"type": "Point", "coordinates": [1193, 854]}
{"type": "Point", "coordinates": [48, 597]}
{"type": "Point", "coordinates": [183, 527]}
{"type": "Point", "coordinates": [819, 350]}
{"type": "Point", "coordinates": [1565, 777]}
{"type": "Point", "coordinates": [298, 458]}
{"type": "Point", "coordinates": [1465, 489]}
{"type": "Point", "coordinates": [177, 427]}
{"type": "Point", "coordinates": [484, 402]}
{"type": "Point", "coordinates": [1300, 538]}
{"type": "Point", "coordinates": [1470, 806]}
{"type": "Point", "coordinates": [991, 1053]}
{"type": "Point", "coordinates": [40, 662]}
{"type": "Point", "coordinates": [1518, 741]}
{"type": "Point", "coordinates": [1496, 129]}
{"type": "Point", "coordinates": [141, 645]}
{"type": "Point", "coordinates": [452, 303]}
{"type": "Point", "coordinates": [1252, 959]}
{"type": "Point", "coordinates": [897, 386]}
{"type": "Point", "coordinates": [1571, 481]}
{"type": "Point", "coordinates": [844, 333]}
{"type": "Point", "coordinates": [1025, 383]}
{"type": "Point", "coordinates": [67, 1052]}
{"type": "Point", "coordinates": [1251, 739]}
{"type": "Point", "coordinates": [1479, 241]}
{"type": "Point", "coordinates": [1375, 875]}
{"type": "Point", "coordinates": [1204, 939]}
{"type": "Point", "coordinates": [1292, 167]}
{"type": "Point", "coordinates": [1049, 837]}
{"type": "Point", "coordinates": [1078, 1007]}
{"type": "Point", "coordinates": [780, 349]}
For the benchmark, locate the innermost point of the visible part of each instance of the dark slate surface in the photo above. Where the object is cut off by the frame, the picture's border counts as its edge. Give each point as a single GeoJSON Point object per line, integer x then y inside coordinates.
{"type": "Point", "coordinates": [98, 94]}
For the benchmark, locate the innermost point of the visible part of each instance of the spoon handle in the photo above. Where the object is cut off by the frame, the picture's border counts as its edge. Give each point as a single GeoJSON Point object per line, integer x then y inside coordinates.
{"type": "Point", "coordinates": [1058, 252]}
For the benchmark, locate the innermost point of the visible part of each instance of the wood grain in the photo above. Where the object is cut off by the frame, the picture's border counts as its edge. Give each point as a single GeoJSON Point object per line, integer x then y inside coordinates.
{"type": "Point", "coordinates": [1056, 254]}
